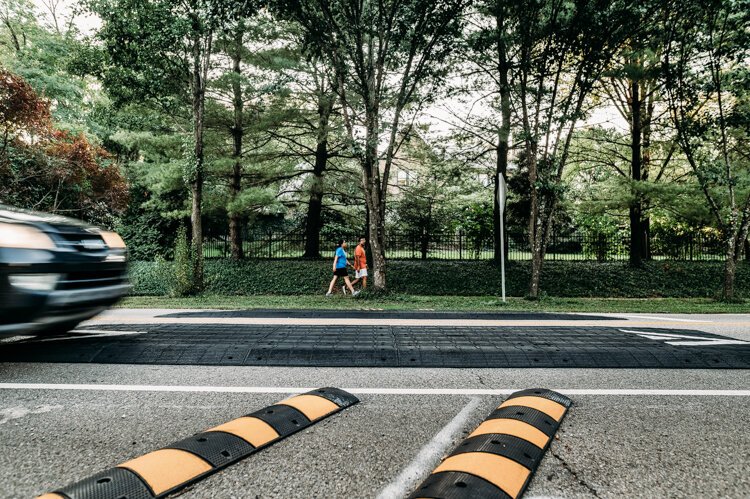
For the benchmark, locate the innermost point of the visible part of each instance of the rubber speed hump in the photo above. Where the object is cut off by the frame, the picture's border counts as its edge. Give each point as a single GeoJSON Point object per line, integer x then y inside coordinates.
{"type": "Point", "coordinates": [499, 458]}
{"type": "Point", "coordinates": [166, 470]}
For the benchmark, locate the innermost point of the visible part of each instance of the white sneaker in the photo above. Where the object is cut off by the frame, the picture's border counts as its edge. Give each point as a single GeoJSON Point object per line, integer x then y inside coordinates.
{"type": "Point", "coordinates": [343, 289]}
{"type": "Point", "coordinates": [356, 293]}
{"type": "Point", "coordinates": [328, 293]}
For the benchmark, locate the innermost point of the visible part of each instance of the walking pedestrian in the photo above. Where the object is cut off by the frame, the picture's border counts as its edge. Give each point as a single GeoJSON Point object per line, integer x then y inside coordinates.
{"type": "Point", "coordinates": [360, 263]}
{"type": "Point", "coordinates": [340, 264]}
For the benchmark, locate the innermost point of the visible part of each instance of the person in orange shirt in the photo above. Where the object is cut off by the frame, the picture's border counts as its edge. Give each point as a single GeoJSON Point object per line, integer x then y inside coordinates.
{"type": "Point", "coordinates": [360, 263]}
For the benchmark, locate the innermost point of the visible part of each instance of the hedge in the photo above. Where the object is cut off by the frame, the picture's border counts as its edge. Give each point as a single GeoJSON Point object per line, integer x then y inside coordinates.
{"type": "Point", "coordinates": [572, 279]}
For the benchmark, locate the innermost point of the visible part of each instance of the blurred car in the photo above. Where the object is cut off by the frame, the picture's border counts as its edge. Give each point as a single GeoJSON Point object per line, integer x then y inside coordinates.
{"type": "Point", "coordinates": [56, 272]}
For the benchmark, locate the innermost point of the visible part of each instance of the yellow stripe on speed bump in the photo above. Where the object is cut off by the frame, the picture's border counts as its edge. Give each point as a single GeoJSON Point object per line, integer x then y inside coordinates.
{"type": "Point", "coordinates": [252, 430]}
{"type": "Point", "coordinates": [165, 469]}
{"type": "Point", "coordinates": [181, 463]}
{"type": "Point", "coordinates": [512, 427]}
{"type": "Point", "coordinates": [502, 472]}
{"type": "Point", "coordinates": [499, 457]}
{"type": "Point", "coordinates": [311, 406]}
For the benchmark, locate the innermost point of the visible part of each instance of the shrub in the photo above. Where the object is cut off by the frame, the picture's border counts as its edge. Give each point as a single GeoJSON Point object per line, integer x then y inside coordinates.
{"type": "Point", "coordinates": [184, 265]}
{"type": "Point", "coordinates": [574, 279]}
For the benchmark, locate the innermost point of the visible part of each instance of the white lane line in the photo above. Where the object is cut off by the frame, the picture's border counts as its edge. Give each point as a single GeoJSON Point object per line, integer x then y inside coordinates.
{"type": "Point", "coordinates": [429, 455]}
{"type": "Point", "coordinates": [366, 391]}
{"type": "Point", "coordinates": [673, 319]}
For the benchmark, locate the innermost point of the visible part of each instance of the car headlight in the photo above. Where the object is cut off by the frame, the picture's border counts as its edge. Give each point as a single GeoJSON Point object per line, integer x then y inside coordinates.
{"type": "Point", "coordinates": [34, 282]}
{"type": "Point", "coordinates": [113, 240]}
{"type": "Point", "coordinates": [24, 236]}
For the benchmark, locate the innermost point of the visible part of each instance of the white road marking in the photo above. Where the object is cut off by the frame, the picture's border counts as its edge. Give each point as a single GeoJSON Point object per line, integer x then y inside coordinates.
{"type": "Point", "coordinates": [669, 339]}
{"type": "Point", "coordinates": [367, 391]}
{"type": "Point", "coordinates": [12, 413]}
{"type": "Point", "coordinates": [673, 319]}
{"type": "Point", "coordinates": [85, 334]}
{"type": "Point", "coordinates": [429, 455]}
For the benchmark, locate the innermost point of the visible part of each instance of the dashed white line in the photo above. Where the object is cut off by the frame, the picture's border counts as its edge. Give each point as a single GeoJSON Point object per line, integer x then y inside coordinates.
{"type": "Point", "coordinates": [429, 455]}
{"type": "Point", "coordinates": [369, 391]}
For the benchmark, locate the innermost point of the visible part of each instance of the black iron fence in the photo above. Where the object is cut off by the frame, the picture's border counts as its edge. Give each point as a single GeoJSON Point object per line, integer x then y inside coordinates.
{"type": "Point", "coordinates": [459, 246]}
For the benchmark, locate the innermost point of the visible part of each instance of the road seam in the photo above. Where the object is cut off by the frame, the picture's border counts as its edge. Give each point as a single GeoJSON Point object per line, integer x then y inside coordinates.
{"type": "Point", "coordinates": [429, 454]}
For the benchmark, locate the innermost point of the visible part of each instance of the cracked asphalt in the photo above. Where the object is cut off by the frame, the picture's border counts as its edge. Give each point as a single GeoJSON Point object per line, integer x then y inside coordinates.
{"type": "Point", "coordinates": [63, 421]}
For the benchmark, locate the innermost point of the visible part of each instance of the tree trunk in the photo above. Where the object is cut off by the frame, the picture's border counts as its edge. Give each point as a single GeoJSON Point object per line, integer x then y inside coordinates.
{"type": "Point", "coordinates": [312, 221]}
{"type": "Point", "coordinates": [637, 248]}
{"type": "Point", "coordinates": [375, 202]}
{"type": "Point", "coordinates": [315, 205]}
{"type": "Point", "coordinates": [238, 131]}
{"type": "Point", "coordinates": [747, 250]}
{"type": "Point", "coordinates": [730, 270]}
{"type": "Point", "coordinates": [535, 232]}
{"type": "Point", "coordinates": [504, 132]}
{"type": "Point", "coordinates": [198, 98]}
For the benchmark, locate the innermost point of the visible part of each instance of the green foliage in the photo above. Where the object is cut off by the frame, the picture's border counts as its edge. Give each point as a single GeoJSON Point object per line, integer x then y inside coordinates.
{"type": "Point", "coordinates": [184, 265]}
{"type": "Point", "coordinates": [573, 279]}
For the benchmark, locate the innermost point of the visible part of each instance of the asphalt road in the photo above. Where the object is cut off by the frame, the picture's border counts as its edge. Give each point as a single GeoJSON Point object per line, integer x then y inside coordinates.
{"type": "Point", "coordinates": [630, 433]}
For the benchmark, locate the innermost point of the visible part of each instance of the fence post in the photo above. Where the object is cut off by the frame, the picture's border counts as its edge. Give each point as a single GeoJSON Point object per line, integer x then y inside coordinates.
{"type": "Point", "coordinates": [270, 242]}
{"type": "Point", "coordinates": [460, 244]}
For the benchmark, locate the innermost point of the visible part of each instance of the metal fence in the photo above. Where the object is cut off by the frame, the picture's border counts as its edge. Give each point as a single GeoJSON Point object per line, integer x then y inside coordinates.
{"type": "Point", "coordinates": [459, 246]}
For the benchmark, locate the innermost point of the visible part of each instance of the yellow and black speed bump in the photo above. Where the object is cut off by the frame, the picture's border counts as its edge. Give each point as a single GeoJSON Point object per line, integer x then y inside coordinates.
{"type": "Point", "coordinates": [166, 470]}
{"type": "Point", "coordinates": [499, 458]}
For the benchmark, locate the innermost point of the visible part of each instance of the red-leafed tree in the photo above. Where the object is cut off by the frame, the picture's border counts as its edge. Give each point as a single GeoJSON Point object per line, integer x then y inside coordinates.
{"type": "Point", "coordinates": [48, 169]}
{"type": "Point", "coordinates": [21, 109]}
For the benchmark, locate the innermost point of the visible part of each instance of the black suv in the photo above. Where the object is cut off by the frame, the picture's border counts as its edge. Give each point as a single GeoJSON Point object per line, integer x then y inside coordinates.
{"type": "Point", "coordinates": [55, 272]}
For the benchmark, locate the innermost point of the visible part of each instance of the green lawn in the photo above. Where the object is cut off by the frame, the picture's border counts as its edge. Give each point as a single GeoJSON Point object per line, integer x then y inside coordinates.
{"type": "Point", "coordinates": [448, 303]}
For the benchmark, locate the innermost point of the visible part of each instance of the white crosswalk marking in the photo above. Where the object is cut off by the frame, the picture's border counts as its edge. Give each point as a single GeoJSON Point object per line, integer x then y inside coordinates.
{"type": "Point", "coordinates": [679, 339]}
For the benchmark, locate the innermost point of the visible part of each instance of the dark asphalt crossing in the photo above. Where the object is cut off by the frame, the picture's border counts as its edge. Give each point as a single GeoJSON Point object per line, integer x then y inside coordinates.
{"type": "Point", "coordinates": [387, 346]}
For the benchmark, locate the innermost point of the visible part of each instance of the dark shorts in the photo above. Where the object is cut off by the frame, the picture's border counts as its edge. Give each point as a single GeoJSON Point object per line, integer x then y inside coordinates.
{"type": "Point", "coordinates": [341, 272]}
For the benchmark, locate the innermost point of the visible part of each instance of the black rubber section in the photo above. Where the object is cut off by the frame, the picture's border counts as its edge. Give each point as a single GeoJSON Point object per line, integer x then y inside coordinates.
{"type": "Point", "coordinates": [534, 417]}
{"type": "Point", "coordinates": [339, 397]}
{"type": "Point", "coordinates": [115, 483]}
{"type": "Point", "coordinates": [523, 452]}
{"type": "Point", "coordinates": [544, 393]}
{"type": "Point", "coordinates": [282, 418]}
{"type": "Point", "coordinates": [216, 447]}
{"type": "Point", "coordinates": [381, 314]}
{"type": "Point", "coordinates": [457, 485]}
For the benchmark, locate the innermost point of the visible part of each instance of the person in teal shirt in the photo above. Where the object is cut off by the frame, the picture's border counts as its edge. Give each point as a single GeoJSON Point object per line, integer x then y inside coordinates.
{"type": "Point", "coordinates": [340, 263]}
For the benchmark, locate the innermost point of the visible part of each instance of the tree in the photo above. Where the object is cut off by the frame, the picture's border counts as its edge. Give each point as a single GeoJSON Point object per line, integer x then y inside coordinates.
{"type": "Point", "coordinates": [384, 53]}
{"type": "Point", "coordinates": [707, 79]}
{"type": "Point", "coordinates": [161, 52]}
{"type": "Point", "coordinates": [430, 185]}
{"type": "Point", "coordinates": [490, 70]}
{"type": "Point", "coordinates": [45, 168]}
{"type": "Point", "coordinates": [561, 50]}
